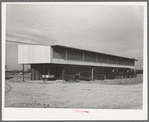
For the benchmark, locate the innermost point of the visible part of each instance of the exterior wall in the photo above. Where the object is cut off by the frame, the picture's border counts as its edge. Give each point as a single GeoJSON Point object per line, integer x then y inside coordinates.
{"type": "Point", "coordinates": [95, 73]}
{"type": "Point", "coordinates": [63, 55]}
{"type": "Point", "coordinates": [101, 58]}
{"type": "Point", "coordinates": [74, 55]}
{"type": "Point", "coordinates": [32, 54]}
{"type": "Point", "coordinates": [120, 61]}
{"type": "Point", "coordinates": [59, 53]}
{"type": "Point", "coordinates": [85, 63]}
{"type": "Point", "coordinates": [69, 72]}
{"type": "Point", "coordinates": [65, 63]}
{"type": "Point", "coordinates": [111, 60]}
{"type": "Point", "coordinates": [132, 63]}
{"type": "Point", "coordinates": [90, 57]}
{"type": "Point", "coordinates": [124, 61]}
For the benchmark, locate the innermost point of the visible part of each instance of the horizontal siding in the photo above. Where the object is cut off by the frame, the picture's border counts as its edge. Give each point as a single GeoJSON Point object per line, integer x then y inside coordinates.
{"type": "Point", "coordinates": [77, 55]}
{"type": "Point", "coordinates": [119, 61]}
{"type": "Point", "coordinates": [74, 55]}
{"type": "Point", "coordinates": [101, 58]}
{"type": "Point", "coordinates": [59, 52]}
{"type": "Point", "coordinates": [91, 57]}
{"type": "Point", "coordinates": [127, 62]}
{"type": "Point", "coordinates": [123, 61]}
{"type": "Point", "coordinates": [111, 60]}
{"type": "Point", "coordinates": [132, 63]}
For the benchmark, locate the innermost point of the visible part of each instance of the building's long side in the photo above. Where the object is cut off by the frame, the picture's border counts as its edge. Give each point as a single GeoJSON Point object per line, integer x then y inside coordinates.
{"type": "Point", "coordinates": [69, 72]}
{"type": "Point", "coordinates": [67, 63]}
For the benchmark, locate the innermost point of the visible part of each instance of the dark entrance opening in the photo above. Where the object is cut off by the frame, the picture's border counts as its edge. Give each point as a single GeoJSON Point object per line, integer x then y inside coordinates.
{"type": "Point", "coordinates": [55, 70]}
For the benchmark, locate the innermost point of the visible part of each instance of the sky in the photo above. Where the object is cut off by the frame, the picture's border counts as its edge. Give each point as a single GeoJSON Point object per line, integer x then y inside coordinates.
{"type": "Point", "coordinates": [112, 29]}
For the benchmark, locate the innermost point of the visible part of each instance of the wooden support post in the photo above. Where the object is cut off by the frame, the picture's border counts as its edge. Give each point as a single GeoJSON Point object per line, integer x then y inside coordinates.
{"type": "Point", "coordinates": [43, 69]}
{"type": "Point", "coordinates": [43, 73]}
{"type": "Point", "coordinates": [48, 70]}
{"type": "Point", "coordinates": [92, 74]}
{"type": "Point", "coordinates": [31, 73]}
{"type": "Point", "coordinates": [62, 73]}
{"type": "Point", "coordinates": [135, 73]}
{"type": "Point", "coordinates": [23, 72]}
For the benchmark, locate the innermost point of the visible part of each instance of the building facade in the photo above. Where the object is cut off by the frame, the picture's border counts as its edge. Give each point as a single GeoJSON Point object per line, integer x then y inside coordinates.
{"type": "Point", "coordinates": [67, 63]}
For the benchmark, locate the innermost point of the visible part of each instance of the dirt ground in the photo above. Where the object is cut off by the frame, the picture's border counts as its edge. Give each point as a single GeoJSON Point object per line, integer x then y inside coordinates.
{"type": "Point", "coordinates": [61, 94]}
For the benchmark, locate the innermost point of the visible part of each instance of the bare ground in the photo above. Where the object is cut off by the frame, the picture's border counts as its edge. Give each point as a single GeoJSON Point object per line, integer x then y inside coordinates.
{"type": "Point", "coordinates": [54, 94]}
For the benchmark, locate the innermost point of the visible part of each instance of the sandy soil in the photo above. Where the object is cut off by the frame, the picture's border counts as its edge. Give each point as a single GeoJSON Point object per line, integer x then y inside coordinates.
{"type": "Point", "coordinates": [74, 95]}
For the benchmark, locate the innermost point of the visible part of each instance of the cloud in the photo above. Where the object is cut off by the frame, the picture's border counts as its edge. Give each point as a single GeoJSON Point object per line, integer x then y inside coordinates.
{"type": "Point", "coordinates": [137, 53]}
{"type": "Point", "coordinates": [19, 40]}
{"type": "Point", "coordinates": [116, 30]}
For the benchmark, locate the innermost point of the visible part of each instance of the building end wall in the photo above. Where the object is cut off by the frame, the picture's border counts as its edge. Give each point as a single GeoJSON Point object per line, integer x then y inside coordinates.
{"type": "Point", "coordinates": [32, 54]}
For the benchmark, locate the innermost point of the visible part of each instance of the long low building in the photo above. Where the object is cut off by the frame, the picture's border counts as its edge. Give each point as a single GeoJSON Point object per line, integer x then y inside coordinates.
{"type": "Point", "coordinates": [67, 63]}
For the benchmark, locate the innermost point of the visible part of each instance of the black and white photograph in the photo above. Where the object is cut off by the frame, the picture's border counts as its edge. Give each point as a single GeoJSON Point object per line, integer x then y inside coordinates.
{"type": "Point", "coordinates": [84, 57]}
